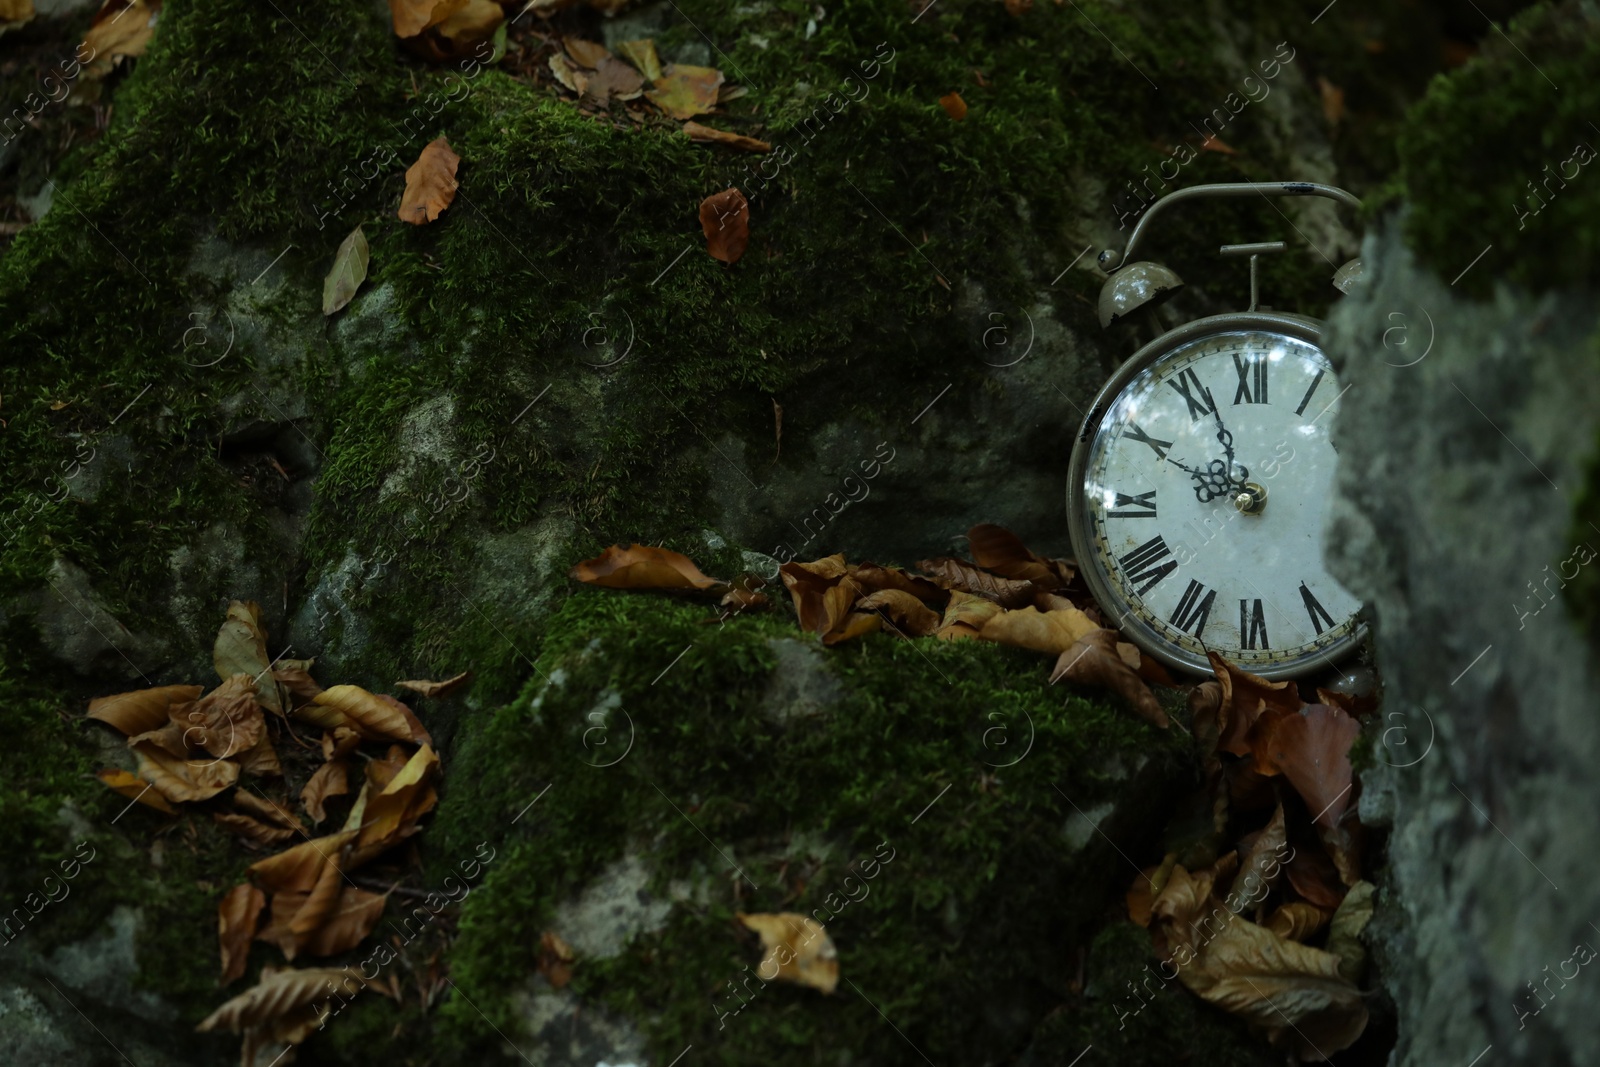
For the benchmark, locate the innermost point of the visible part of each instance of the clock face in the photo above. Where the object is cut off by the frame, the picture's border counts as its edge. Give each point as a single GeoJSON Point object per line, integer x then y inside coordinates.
{"type": "Point", "coordinates": [1201, 500]}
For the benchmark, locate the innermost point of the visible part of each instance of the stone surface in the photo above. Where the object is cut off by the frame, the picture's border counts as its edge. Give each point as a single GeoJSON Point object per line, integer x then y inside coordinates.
{"type": "Point", "coordinates": [1461, 441]}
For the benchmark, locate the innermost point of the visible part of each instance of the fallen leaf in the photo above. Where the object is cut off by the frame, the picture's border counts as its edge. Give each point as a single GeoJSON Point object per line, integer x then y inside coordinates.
{"type": "Point", "coordinates": [365, 711]}
{"type": "Point", "coordinates": [120, 28]}
{"type": "Point", "coordinates": [1213, 143]}
{"type": "Point", "coordinates": [954, 106]}
{"type": "Point", "coordinates": [820, 601]}
{"type": "Point", "coordinates": [349, 271]}
{"type": "Point", "coordinates": [16, 10]}
{"type": "Point", "coordinates": [1345, 844]}
{"type": "Point", "coordinates": [567, 74]}
{"type": "Point", "coordinates": [282, 1006]}
{"type": "Point", "coordinates": [1245, 698]}
{"type": "Point", "coordinates": [683, 91]}
{"type": "Point", "coordinates": [1093, 660]}
{"type": "Point", "coordinates": [1344, 932]}
{"type": "Point", "coordinates": [1332, 101]}
{"type": "Point", "coordinates": [237, 914]}
{"type": "Point", "coordinates": [1312, 750]}
{"type": "Point", "coordinates": [725, 220]}
{"type": "Point", "coordinates": [224, 722]}
{"type": "Point", "coordinates": [419, 732]}
{"type": "Point", "coordinates": [1312, 874]}
{"type": "Point", "coordinates": [856, 624]}
{"type": "Point", "coordinates": [241, 648]}
{"type": "Point", "coordinates": [380, 772]}
{"type": "Point", "coordinates": [142, 710]}
{"type": "Point", "coordinates": [903, 613]}
{"type": "Point", "coordinates": [798, 950]}
{"type": "Point", "coordinates": [296, 680]}
{"type": "Point", "coordinates": [262, 760]}
{"type": "Point", "coordinates": [1053, 632]}
{"type": "Point", "coordinates": [252, 831]}
{"type": "Point", "coordinates": [1205, 716]}
{"type": "Point", "coordinates": [133, 787]}
{"type": "Point", "coordinates": [411, 17]}
{"type": "Point", "coordinates": [613, 79]}
{"type": "Point", "coordinates": [332, 779]}
{"type": "Point", "coordinates": [341, 926]}
{"type": "Point", "coordinates": [392, 813]}
{"type": "Point", "coordinates": [969, 578]}
{"type": "Point", "coordinates": [1142, 893]}
{"type": "Point", "coordinates": [641, 567]}
{"type": "Point", "coordinates": [585, 53]}
{"type": "Point", "coordinates": [1017, 8]}
{"type": "Point", "coordinates": [642, 54]}
{"type": "Point", "coordinates": [267, 809]}
{"type": "Point", "coordinates": [965, 615]}
{"type": "Point", "coordinates": [555, 959]}
{"type": "Point", "coordinates": [339, 741]}
{"type": "Point", "coordinates": [997, 549]}
{"type": "Point", "coordinates": [436, 689]}
{"type": "Point", "coordinates": [171, 738]}
{"type": "Point", "coordinates": [706, 135]}
{"type": "Point", "coordinates": [430, 183]}
{"type": "Point", "coordinates": [1296, 921]}
{"type": "Point", "coordinates": [183, 780]}
{"type": "Point", "coordinates": [1263, 865]}
{"type": "Point", "coordinates": [463, 32]}
{"type": "Point", "coordinates": [296, 870]}
{"type": "Point", "coordinates": [867, 578]}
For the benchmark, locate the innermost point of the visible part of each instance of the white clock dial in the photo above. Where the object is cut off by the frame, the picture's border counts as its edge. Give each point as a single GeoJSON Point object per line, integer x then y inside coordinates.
{"type": "Point", "coordinates": [1207, 485]}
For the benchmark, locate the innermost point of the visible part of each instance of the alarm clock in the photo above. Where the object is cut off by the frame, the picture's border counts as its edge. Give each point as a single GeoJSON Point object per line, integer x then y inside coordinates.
{"type": "Point", "coordinates": [1202, 477]}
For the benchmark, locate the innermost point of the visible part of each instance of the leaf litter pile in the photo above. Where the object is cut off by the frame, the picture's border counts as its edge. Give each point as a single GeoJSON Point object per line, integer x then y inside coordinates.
{"type": "Point", "coordinates": [217, 753]}
{"type": "Point", "coordinates": [1260, 916]}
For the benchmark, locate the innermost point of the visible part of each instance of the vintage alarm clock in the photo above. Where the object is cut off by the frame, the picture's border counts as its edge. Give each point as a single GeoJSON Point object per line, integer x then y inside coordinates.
{"type": "Point", "coordinates": [1202, 477]}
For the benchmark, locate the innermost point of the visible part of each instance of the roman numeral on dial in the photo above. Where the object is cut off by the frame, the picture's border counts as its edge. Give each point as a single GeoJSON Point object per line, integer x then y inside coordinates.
{"type": "Point", "coordinates": [1253, 624]}
{"type": "Point", "coordinates": [1194, 608]}
{"type": "Point", "coordinates": [1142, 506]}
{"type": "Point", "coordinates": [1135, 433]}
{"type": "Point", "coordinates": [1319, 614]}
{"type": "Point", "coordinates": [1252, 379]}
{"type": "Point", "coordinates": [1301, 410]}
{"type": "Point", "coordinates": [1197, 396]}
{"type": "Point", "coordinates": [1144, 564]}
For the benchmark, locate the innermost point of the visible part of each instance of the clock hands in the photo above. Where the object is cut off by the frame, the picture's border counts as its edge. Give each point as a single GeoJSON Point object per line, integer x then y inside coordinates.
{"type": "Point", "coordinates": [1217, 480]}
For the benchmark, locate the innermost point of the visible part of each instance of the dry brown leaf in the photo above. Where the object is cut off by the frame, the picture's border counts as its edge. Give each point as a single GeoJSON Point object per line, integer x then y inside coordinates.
{"type": "Point", "coordinates": [1246, 698]}
{"type": "Point", "coordinates": [279, 999]}
{"type": "Point", "coordinates": [965, 615]}
{"type": "Point", "coordinates": [683, 91]}
{"type": "Point", "coordinates": [350, 918]}
{"type": "Point", "coordinates": [224, 722]}
{"type": "Point", "coordinates": [798, 950]}
{"type": "Point", "coordinates": [262, 760]}
{"type": "Point", "coordinates": [1205, 711]}
{"type": "Point", "coordinates": [254, 833]}
{"type": "Point", "coordinates": [954, 106]}
{"type": "Point", "coordinates": [1093, 660]}
{"type": "Point", "coordinates": [903, 613]}
{"type": "Point", "coordinates": [419, 732]}
{"type": "Point", "coordinates": [1142, 893]}
{"type": "Point", "coordinates": [349, 270]}
{"type": "Point", "coordinates": [16, 10]}
{"type": "Point", "coordinates": [133, 787]}
{"type": "Point", "coordinates": [171, 738]}
{"type": "Point", "coordinates": [567, 74]}
{"type": "Point", "coordinates": [380, 772]}
{"type": "Point", "coordinates": [1018, 8]}
{"type": "Point", "coordinates": [430, 183]}
{"type": "Point", "coordinates": [1296, 921]}
{"type": "Point", "coordinates": [241, 648]}
{"type": "Point", "coordinates": [411, 17]}
{"type": "Point", "coordinates": [706, 135]}
{"type": "Point", "coordinates": [436, 689]}
{"type": "Point", "coordinates": [332, 779]}
{"type": "Point", "coordinates": [1313, 875]}
{"type": "Point", "coordinates": [142, 710]}
{"type": "Point", "coordinates": [725, 220]}
{"type": "Point", "coordinates": [867, 578]}
{"type": "Point", "coordinates": [464, 30]}
{"type": "Point", "coordinates": [296, 870]}
{"type": "Point", "coordinates": [1332, 101]}
{"type": "Point", "coordinates": [1262, 866]}
{"type": "Point", "coordinates": [856, 624]}
{"type": "Point", "coordinates": [642, 54]}
{"type": "Point", "coordinates": [1312, 750]}
{"type": "Point", "coordinates": [120, 28]}
{"type": "Point", "coordinates": [954, 573]}
{"type": "Point", "coordinates": [641, 567]}
{"type": "Point", "coordinates": [1344, 932]}
{"type": "Point", "coordinates": [820, 599]}
{"type": "Point", "coordinates": [997, 549]}
{"type": "Point", "coordinates": [321, 901]}
{"type": "Point", "coordinates": [1213, 143]}
{"type": "Point", "coordinates": [1053, 632]}
{"type": "Point", "coordinates": [267, 809]}
{"type": "Point", "coordinates": [391, 814]}
{"type": "Point", "coordinates": [614, 79]}
{"type": "Point", "coordinates": [585, 53]}
{"type": "Point", "coordinates": [184, 780]}
{"type": "Point", "coordinates": [555, 959]}
{"type": "Point", "coordinates": [340, 741]}
{"type": "Point", "coordinates": [296, 680]}
{"type": "Point", "coordinates": [368, 713]}
{"type": "Point", "coordinates": [237, 914]}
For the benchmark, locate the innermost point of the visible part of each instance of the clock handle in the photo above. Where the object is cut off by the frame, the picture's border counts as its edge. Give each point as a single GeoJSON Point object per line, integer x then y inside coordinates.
{"type": "Point", "coordinates": [1111, 259]}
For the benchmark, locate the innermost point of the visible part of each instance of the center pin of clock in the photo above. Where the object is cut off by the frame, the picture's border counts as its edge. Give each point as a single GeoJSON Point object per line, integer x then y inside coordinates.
{"type": "Point", "coordinates": [1252, 500]}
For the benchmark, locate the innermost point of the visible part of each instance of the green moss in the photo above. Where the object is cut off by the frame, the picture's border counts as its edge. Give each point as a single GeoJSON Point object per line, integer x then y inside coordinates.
{"type": "Point", "coordinates": [979, 895]}
{"type": "Point", "coordinates": [1481, 158]}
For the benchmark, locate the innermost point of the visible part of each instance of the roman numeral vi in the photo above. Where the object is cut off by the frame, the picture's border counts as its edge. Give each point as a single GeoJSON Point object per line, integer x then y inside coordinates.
{"type": "Point", "coordinates": [1144, 564]}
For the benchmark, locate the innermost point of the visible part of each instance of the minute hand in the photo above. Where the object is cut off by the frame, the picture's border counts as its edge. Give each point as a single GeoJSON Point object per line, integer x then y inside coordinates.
{"type": "Point", "coordinates": [1217, 479]}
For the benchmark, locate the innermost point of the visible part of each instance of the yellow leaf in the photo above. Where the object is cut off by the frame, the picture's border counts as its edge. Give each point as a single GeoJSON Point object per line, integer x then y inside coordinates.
{"type": "Point", "coordinates": [585, 53]}
{"type": "Point", "coordinates": [237, 914]}
{"type": "Point", "coordinates": [120, 28]}
{"type": "Point", "coordinates": [297, 869]}
{"type": "Point", "coordinates": [330, 780]}
{"type": "Point", "coordinates": [706, 135]}
{"type": "Point", "coordinates": [142, 710]}
{"type": "Point", "coordinates": [684, 91]}
{"type": "Point", "coordinates": [642, 54]}
{"type": "Point", "coordinates": [1042, 631]}
{"type": "Point", "coordinates": [370, 715]}
{"type": "Point", "coordinates": [343, 926]}
{"type": "Point", "coordinates": [641, 567]}
{"type": "Point", "coordinates": [282, 1004]}
{"type": "Point", "coordinates": [798, 950]}
{"type": "Point", "coordinates": [133, 787]}
{"type": "Point", "coordinates": [902, 613]}
{"type": "Point", "coordinates": [181, 779]}
{"type": "Point", "coordinates": [411, 17]}
{"type": "Point", "coordinates": [241, 648]}
{"type": "Point", "coordinates": [965, 615]}
{"type": "Point", "coordinates": [253, 832]}
{"type": "Point", "coordinates": [348, 272]}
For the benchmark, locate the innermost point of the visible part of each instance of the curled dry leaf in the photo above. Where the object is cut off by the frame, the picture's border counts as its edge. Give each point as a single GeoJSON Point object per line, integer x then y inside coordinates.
{"type": "Point", "coordinates": [585, 53]}
{"type": "Point", "coordinates": [340, 927]}
{"type": "Point", "coordinates": [18, 11]}
{"type": "Point", "coordinates": [296, 870]}
{"type": "Point", "coordinates": [419, 733]}
{"type": "Point", "coordinates": [284, 1006]}
{"type": "Point", "coordinates": [430, 183]}
{"type": "Point", "coordinates": [120, 28]}
{"type": "Point", "coordinates": [267, 810]}
{"type": "Point", "coordinates": [954, 106]}
{"type": "Point", "coordinates": [261, 760]}
{"type": "Point", "coordinates": [133, 787]}
{"type": "Point", "coordinates": [332, 779]}
{"type": "Point", "coordinates": [954, 573]}
{"type": "Point", "coordinates": [367, 713]}
{"type": "Point", "coordinates": [725, 220]}
{"type": "Point", "coordinates": [820, 600]}
{"type": "Point", "coordinates": [224, 722]}
{"type": "Point", "coordinates": [706, 135]}
{"type": "Point", "coordinates": [1312, 874]}
{"type": "Point", "coordinates": [411, 17]}
{"type": "Point", "coordinates": [1142, 894]}
{"type": "Point", "coordinates": [391, 814]}
{"type": "Point", "coordinates": [1053, 632]}
{"type": "Point", "coordinates": [965, 615]}
{"type": "Point", "coordinates": [349, 271]}
{"type": "Point", "coordinates": [856, 624]}
{"type": "Point", "coordinates": [1262, 866]}
{"type": "Point", "coordinates": [1296, 921]}
{"type": "Point", "coordinates": [641, 567]}
{"type": "Point", "coordinates": [869, 578]}
{"type": "Point", "coordinates": [1246, 698]}
{"type": "Point", "coordinates": [436, 689]}
{"type": "Point", "coordinates": [902, 613]}
{"type": "Point", "coordinates": [798, 950]}
{"type": "Point", "coordinates": [555, 959]}
{"type": "Point", "coordinates": [997, 549]}
{"type": "Point", "coordinates": [683, 91]}
{"type": "Point", "coordinates": [567, 74]}
{"type": "Point", "coordinates": [183, 780]}
{"type": "Point", "coordinates": [241, 648]}
{"type": "Point", "coordinates": [142, 710]}
{"type": "Point", "coordinates": [254, 833]}
{"type": "Point", "coordinates": [1093, 660]}
{"type": "Point", "coordinates": [1344, 932]}
{"type": "Point", "coordinates": [1312, 749]}
{"type": "Point", "coordinates": [237, 914]}
{"type": "Point", "coordinates": [171, 738]}
{"type": "Point", "coordinates": [642, 54]}
{"type": "Point", "coordinates": [461, 34]}
{"type": "Point", "coordinates": [613, 79]}
{"type": "Point", "coordinates": [295, 679]}
{"type": "Point", "coordinates": [339, 741]}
